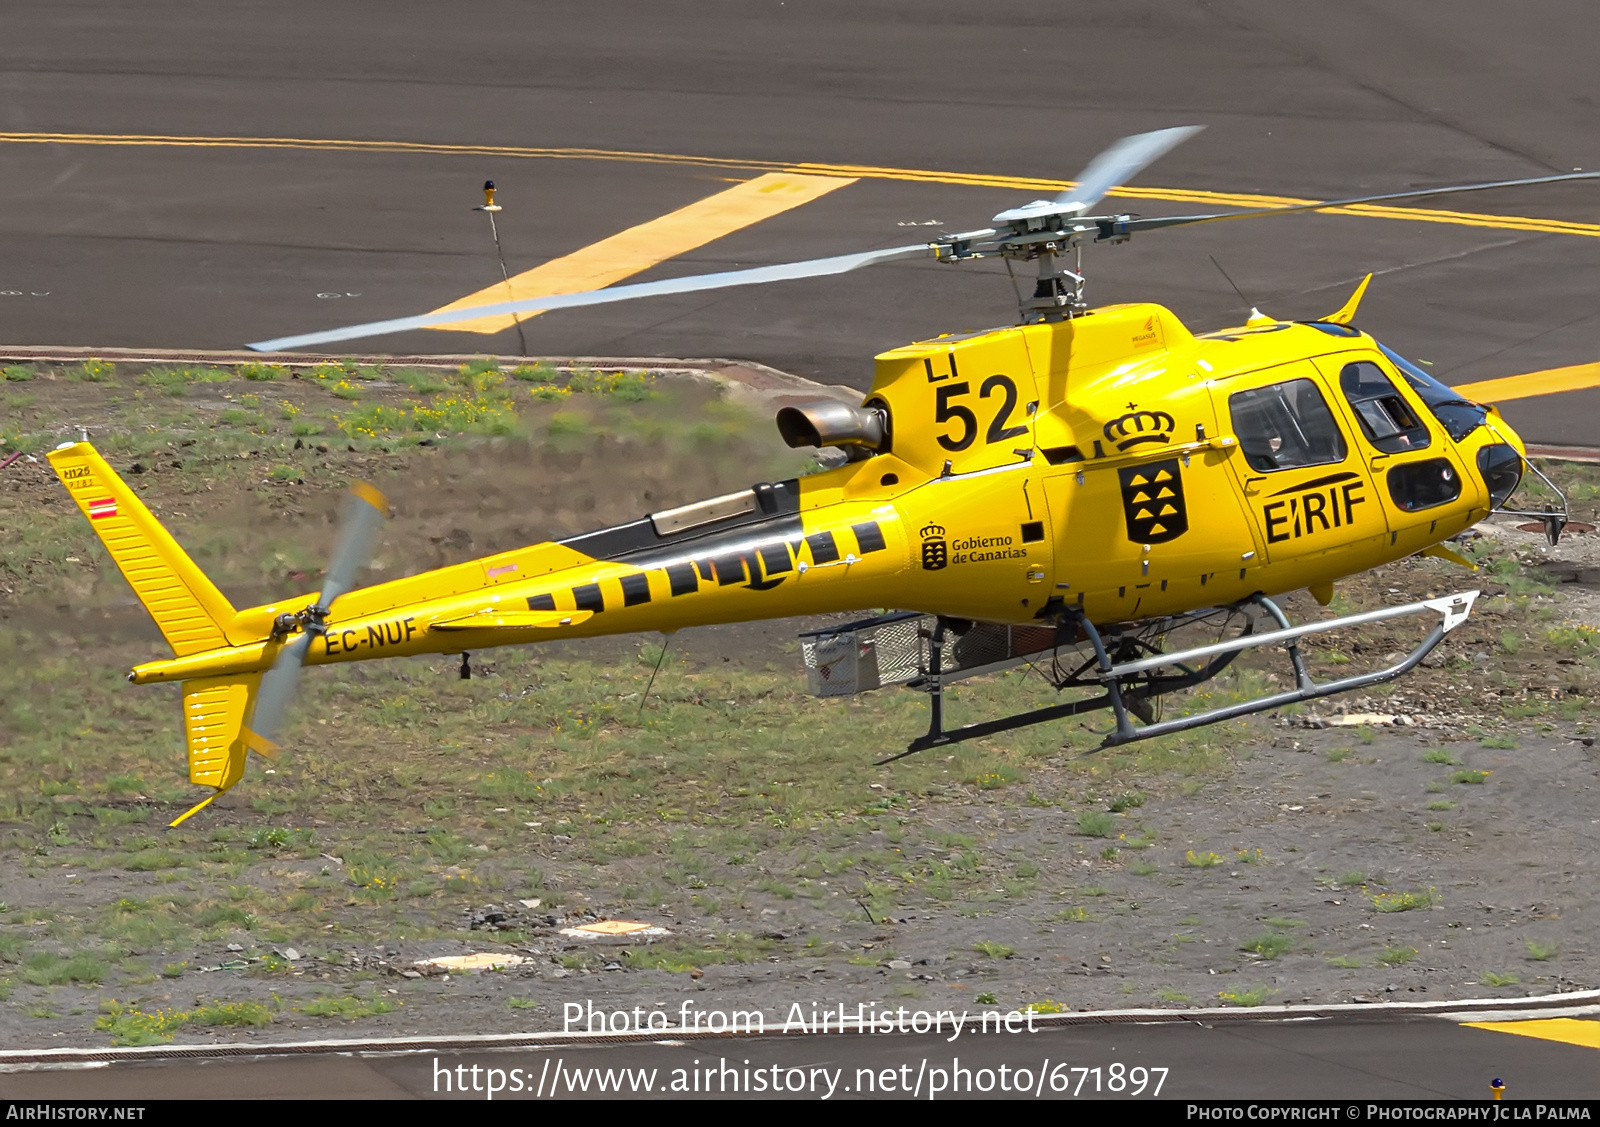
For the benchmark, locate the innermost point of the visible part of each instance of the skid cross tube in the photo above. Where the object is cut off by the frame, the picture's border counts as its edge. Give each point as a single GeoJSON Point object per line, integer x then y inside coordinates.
{"type": "Point", "coordinates": [1452, 611]}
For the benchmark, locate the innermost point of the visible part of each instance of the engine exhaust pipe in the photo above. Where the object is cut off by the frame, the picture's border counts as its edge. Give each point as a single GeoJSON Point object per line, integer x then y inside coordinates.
{"type": "Point", "coordinates": [828, 422]}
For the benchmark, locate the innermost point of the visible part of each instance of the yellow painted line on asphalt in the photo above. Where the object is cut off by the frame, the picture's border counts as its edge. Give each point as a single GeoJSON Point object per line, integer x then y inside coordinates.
{"type": "Point", "coordinates": [1572, 1030]}
{"type": "Point", "coordinates": [1017, 183]}
{"type": "Point", "coordinates": [1532, 384]}
{"type": "Point", "coordinates": [638, 248]}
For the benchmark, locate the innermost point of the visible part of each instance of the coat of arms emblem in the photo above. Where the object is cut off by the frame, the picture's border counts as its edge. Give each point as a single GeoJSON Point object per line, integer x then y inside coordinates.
{"type": "Point", "coordinates": [1152, 502]}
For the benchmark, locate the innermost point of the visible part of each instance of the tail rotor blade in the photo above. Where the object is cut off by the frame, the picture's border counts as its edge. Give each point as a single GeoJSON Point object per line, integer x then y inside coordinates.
{"type": "Point", "coordinates": [364, 511]}
{"type": "Point", "coordinates": [362, 515]}
{"type": "Point", "coordinates": [278, 687]}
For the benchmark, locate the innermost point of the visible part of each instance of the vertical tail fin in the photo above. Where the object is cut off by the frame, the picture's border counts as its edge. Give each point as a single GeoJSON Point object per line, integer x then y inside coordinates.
{"type": "Point", "coordinates": [192, 614]}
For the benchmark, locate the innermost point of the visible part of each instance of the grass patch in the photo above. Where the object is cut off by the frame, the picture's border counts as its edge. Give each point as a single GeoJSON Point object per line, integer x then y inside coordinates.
{"type": "Point", "coordinates": [734, 947]}
{"type": "Point", "coordinates": [255, 371]}
{"type": "Point", "coordinates": [129, 1025]}
{"type": "Point", "coordinates": [348, 1007]}
{"type": "Point", "coordinates": [45, 969]}
{"type": "Point", "coordinates": [230, 1013]}
{"type": "Point", "coordinates": [994, 950]}
{"type": "Point", "coordinates": [1344, 961]}
{"type": "Point", "coordinates": [1438, 755]}
{"type": "Point", "coordinates": [1490, 978]}
{"type": "Point", "coordinates": [1470, 778]}
{"type": "Point", "coordinates": [92, 371]}
{"type": "Point", "coordinates": [1396, 956]}
{"type": "Point", "coordinates": [1441, 804]}
{"type": "Point", "coordinates": [1539, 952]}
{"type": "Point", "coordinates": [1201, 860]}
{"type": "Point", "coordinates": [1247, 998]}
{"type": "Point", "coordinates": [996, 775]}
{"type": "Point", "coordinates": [1095, 823]}
{"type": "Point", "coordinates": [1404, 901]}
{"type": "Point", "coordinates": [227, 915]}
{"type": "Point", "coordinates": [1130, 801]}
{"type": "Point", "coordinates": [1268, 945]}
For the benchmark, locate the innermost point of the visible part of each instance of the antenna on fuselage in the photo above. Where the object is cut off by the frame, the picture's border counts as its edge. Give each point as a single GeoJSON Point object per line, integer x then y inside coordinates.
{"type": "Point", "coordinates": [1246, 302]}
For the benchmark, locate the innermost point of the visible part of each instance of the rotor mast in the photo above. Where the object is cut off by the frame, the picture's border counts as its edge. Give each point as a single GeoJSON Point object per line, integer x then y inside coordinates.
{"type": "Point", "coordinates": [1058, 293]}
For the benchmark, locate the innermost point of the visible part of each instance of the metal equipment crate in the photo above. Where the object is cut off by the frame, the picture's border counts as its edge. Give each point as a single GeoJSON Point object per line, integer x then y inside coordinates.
{"type": "Point", "coordinates": [897, 649]}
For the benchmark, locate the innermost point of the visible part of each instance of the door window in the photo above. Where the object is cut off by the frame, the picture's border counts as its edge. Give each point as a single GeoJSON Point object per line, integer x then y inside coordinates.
{"type": "Point", "coordinates": [1424, 484]}
{"type": "Point", "coordinates": [1284, 426]}
{"type": "Point", "coordinates": [1385, 417]}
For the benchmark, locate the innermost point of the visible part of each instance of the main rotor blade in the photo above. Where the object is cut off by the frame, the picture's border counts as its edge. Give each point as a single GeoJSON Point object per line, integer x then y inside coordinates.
{"type": "Point", "coordinates": [1117, 165]}
{"type": "Point", "coordinates": [364, 510]}
{"type": "Point", "coordinates": [1157, 222]}
{"type": "Point", "coordinates": [811, 268]}
{"type": "Point", "coordinates": [1122, 161]}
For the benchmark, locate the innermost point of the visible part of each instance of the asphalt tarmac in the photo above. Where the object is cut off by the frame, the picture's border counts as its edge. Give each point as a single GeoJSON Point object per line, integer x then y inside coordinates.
{"type": "Point", "coordinates": [1350, 1060]}
{"type": "Point", "coordinates": [107, 242]}
{"type": "Point", "coordinates": [111, 235]}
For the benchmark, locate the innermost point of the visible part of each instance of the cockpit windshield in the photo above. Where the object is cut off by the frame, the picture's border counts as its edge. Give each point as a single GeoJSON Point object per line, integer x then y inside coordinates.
{"type": "Point", "coordinates": [1458, 416]}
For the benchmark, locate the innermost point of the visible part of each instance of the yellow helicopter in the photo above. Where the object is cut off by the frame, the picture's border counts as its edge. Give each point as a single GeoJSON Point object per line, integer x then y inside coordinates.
{"type": "Point", "coordinates": [1069, 491]}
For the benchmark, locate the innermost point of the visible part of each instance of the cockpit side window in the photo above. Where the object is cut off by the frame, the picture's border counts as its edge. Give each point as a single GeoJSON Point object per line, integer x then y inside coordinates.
{"type": "Point", "coordinates": [1285, 426]}
{"type": "Point", "coordinates": [1385, 416]}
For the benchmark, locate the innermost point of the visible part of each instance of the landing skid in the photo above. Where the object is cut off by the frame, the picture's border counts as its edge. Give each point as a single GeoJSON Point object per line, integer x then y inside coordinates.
{"type": "Point", "coordinates": [1131, 682]}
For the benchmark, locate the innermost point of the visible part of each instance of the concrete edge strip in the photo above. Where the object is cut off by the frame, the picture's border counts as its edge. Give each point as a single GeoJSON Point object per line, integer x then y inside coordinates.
{"type": "Point", "coordinates": [1581, 1003]}
{"type": "Point", "coordinates": [1564, 453]}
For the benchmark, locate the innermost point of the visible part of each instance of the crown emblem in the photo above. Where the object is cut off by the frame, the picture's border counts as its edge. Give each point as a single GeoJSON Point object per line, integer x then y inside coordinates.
{"type": "Point", "coordinates": [930, 530]}
{"type": "Point", "coordinates": [1139, 427]}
